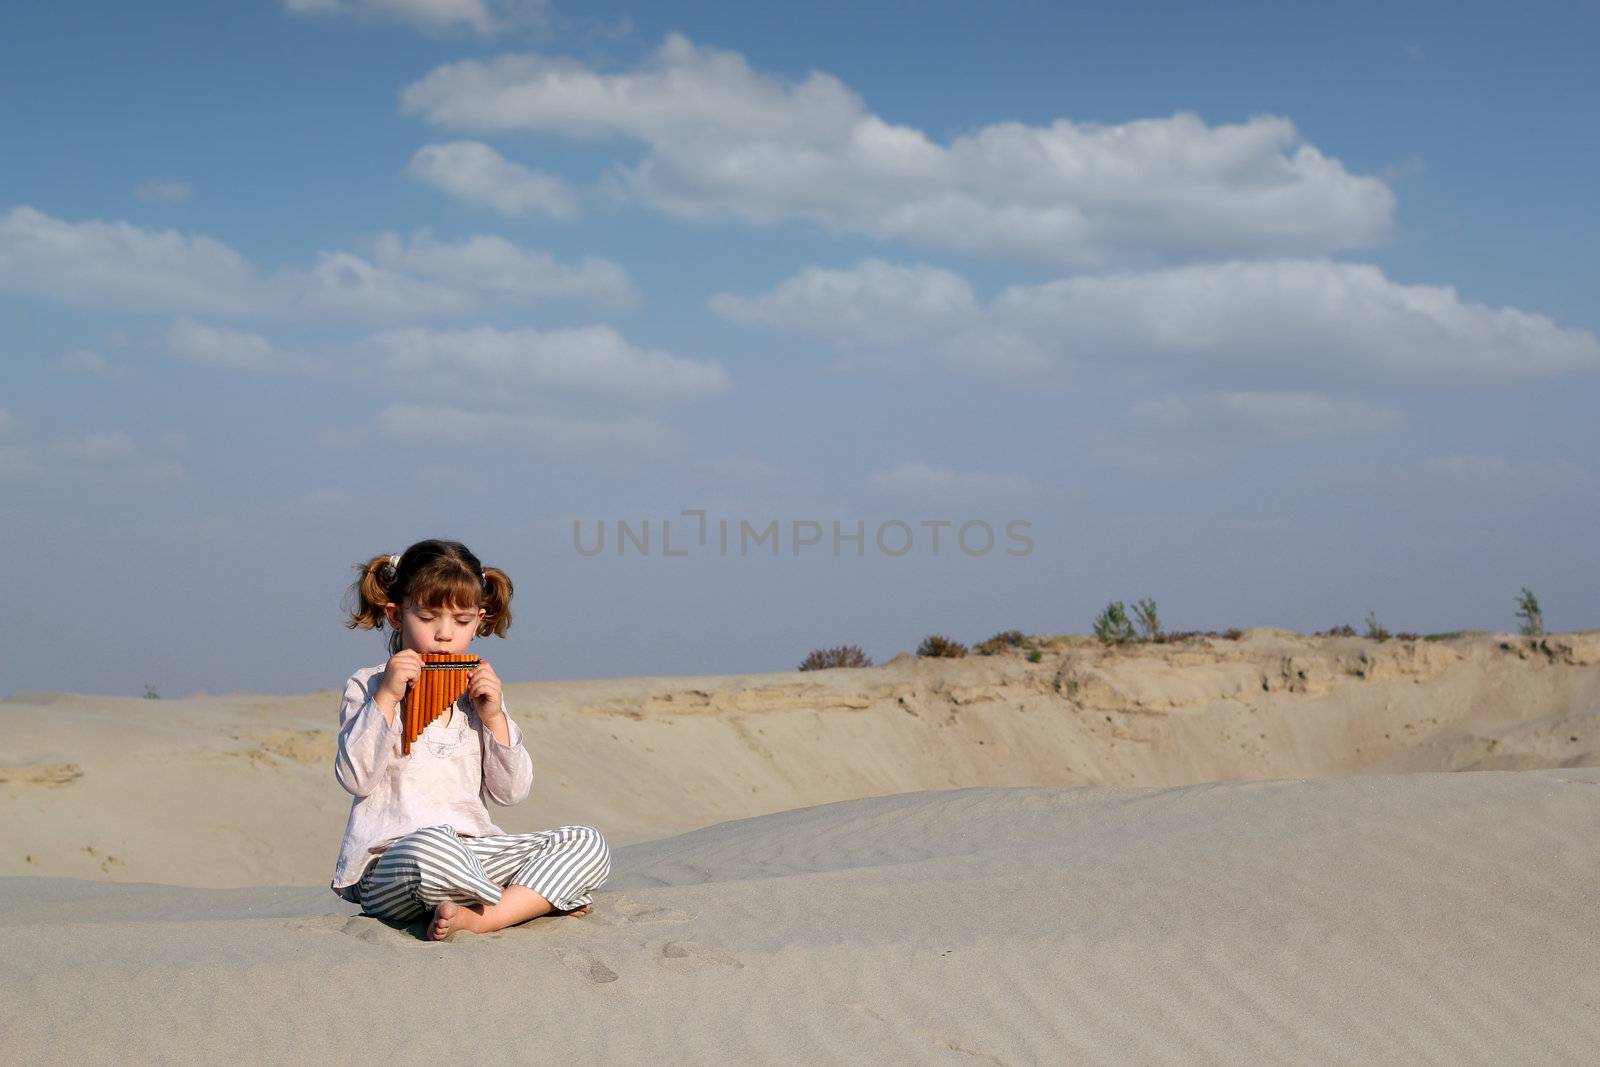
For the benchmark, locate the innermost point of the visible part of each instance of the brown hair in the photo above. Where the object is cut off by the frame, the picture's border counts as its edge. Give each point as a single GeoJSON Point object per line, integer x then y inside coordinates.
{"type": "Point", "coordinates": [431, 574]}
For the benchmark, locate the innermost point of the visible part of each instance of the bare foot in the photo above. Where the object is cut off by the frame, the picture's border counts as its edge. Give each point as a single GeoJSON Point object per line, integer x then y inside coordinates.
{"type": "Point", "coordinates": [582, 909]}
{"type": "Point", "coordinates": [449, 919]}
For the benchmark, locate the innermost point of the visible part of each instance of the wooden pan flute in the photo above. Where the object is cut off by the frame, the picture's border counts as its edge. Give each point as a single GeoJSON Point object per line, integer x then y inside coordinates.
{"type": "Point", "coordinates": [441, 683]}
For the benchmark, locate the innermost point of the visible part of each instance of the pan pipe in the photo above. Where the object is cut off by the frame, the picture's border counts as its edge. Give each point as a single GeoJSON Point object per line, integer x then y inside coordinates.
{"type": "Point", "coordinates": [441, 683]}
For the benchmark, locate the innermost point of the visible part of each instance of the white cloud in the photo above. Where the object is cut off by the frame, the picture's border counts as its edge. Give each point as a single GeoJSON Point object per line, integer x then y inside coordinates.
{"type": "Point", "coordinates": [552, 436]}
{"type": "Point", "coordinates": [487, 17]}
{"type": "Point", "coordinates": [1296, 319]}
{"type": "Point", "coordinates": [117, 265]}
{"type": "Point", "coordinates": [510, 368]}
{"type": "Point", "coordinates": [1286, 324]}
{"type": "Point", "coordinates": [922, 481]}
{"type": "Point", "coordinates": [494, 270]}
{"type": "Point", "coordinates": [215, 346]}
{"type": "Point", "coordinates": [476, 174]}
{"type": "Point", "coordinates": [1470, 480]}
{"type": "Point", "coordinates": [98, 449]}
{"type": "Point", "coordinates": [728, 142]}
{"type": "Point", "coordinates": [725, 487]}
{"type": "Point", "coordinates": [1409, 167]}
{"type": "Point", "coordinates": [120, 266]}
{"type": "Point", "coordinates": [892, 314]}
{"type": "Point", "coordinates": [738, 469]}
{"type": "Point", "coordinates": [1153, 459]}
{"type": "Point", "coordinates": [163, 192]}
{"type": "Point", "coordinates": [87, 363]}
{"type": "Point", "coordinates": [518, 364]}
{"type": "Point", "coordinates": [1245, 416]}
{"type": "Point", "coordinates": [342, 437]}
{"type": "Point", "coordinates": [17, 463]}
{"type": "Point", "coordinates": [105, 459]}
{"type": "Point", "coordinates": [333, 504]}
{"type": "Point", "coordinates": [873, 305]}
{"type": "Point", "coordinates": [1477, 473]}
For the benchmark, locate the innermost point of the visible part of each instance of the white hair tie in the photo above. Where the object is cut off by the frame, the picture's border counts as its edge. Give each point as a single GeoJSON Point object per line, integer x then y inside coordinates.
{"type": "Point", "coordinates": [394, 561]}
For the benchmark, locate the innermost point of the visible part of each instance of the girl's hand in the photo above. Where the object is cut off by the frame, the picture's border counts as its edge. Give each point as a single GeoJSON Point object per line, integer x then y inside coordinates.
{"type": "Point", "coordinates": [484, 686]}
{"type": "Point", "coordinates": [399, 674]}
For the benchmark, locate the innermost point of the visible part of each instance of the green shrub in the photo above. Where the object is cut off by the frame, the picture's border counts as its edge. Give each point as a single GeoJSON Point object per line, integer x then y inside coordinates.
{"type": "Point", "coordinates": [1342, 630]}
{"type": "Point", "coordinates": [1144, 612]}
{"type": "Point", "coordinates": [822, 659]}
{"type": "Point", "coordinates": [1112, 624]}
{"type": "Point", "coordinates": [1034, 655]}
{"type": "Point", "coordinates": [1528, 611]}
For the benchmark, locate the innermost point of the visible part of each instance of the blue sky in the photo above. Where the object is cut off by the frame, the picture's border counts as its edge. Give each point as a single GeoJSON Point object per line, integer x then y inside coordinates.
{"type": "Point", "coordinates": [1277, 315]}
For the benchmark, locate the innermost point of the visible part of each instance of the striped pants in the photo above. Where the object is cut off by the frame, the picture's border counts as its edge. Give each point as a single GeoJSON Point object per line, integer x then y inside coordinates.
{"type": "Point", "coordinates": [436, 864]}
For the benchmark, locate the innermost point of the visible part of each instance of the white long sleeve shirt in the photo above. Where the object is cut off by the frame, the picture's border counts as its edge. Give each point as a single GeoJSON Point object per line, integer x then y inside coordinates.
{"type": "Point", "coordinates": [456, 767]}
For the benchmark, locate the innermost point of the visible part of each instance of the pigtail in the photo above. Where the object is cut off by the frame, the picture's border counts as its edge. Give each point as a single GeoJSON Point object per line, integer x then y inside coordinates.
{"type": "Point", "coordinates": [496, 603]}
{"type": "Point", "coordinates": [370, 593]}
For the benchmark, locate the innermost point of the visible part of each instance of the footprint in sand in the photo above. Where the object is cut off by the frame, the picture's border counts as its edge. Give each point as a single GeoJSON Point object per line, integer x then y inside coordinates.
{"type": "Point", "coordinates": [591, 967]}
{"type": "Point", "coordinates": [323, 924]}
{"type": "Point", "coordinates": [625, 911]}
{"type": "Point", "coordinates": [361, 927]}
{"type": "Point", "coordinates": [694, 954]}
{"type": "Point", "coordinates": [41, 774]}
{"type": "Point", "coordinates": [377, 932]}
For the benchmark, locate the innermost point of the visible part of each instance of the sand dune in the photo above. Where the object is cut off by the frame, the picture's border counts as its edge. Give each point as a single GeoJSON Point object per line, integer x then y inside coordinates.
{"type": "Point", "coordinates": [1183, 853]}
{"type": "Point", "coordinates": [1428, 918]}
{"type": "Point", "coordinates": [102, 787]}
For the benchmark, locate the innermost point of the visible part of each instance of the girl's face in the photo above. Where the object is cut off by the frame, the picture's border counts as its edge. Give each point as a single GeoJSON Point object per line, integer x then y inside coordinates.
{"type": "Point", "coordinates": [434, 629]}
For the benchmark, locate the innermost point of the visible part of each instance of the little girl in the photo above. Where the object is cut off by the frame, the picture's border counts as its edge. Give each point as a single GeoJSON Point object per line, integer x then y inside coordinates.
{"type": "Point", "coordinates": [419, 837]}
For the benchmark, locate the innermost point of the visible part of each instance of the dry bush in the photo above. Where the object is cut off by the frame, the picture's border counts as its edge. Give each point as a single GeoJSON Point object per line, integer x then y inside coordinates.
{"type": "Point", "coordinates": [941, 647]}
{"type": "Point", "coordinates": [1194, 635]}
{"type": "Point", "coordinates": [1000, 642]}
{"type": "Point", "coordinates": [1375, 629]}
{"type": "Point", "coordinates": [822, 659]}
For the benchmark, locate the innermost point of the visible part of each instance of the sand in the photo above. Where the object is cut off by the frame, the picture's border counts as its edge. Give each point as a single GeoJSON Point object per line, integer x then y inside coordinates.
{"type": "Point", "coordinates": [1252, 851]}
